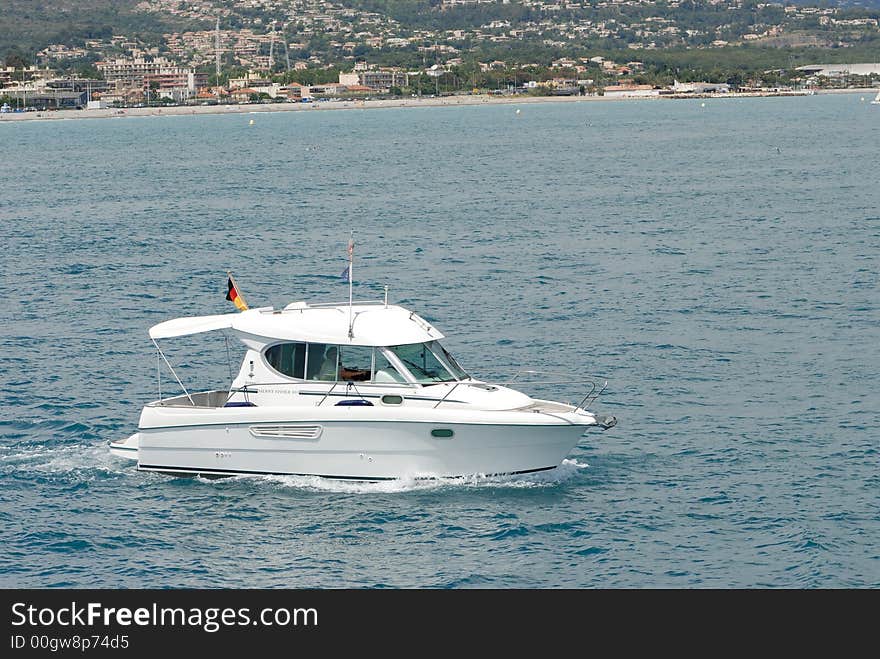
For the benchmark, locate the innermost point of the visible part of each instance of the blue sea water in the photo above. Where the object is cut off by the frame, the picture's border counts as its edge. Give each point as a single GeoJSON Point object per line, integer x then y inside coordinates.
{"type": "Point", "coordinates": [716, 260]}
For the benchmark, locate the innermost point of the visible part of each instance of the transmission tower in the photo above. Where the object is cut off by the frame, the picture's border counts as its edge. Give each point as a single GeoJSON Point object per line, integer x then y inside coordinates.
{"type": "Point", "coordinates": [217, 50]}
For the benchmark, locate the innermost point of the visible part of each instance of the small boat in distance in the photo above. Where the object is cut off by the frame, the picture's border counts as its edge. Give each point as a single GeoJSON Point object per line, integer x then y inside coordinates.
{"type": "Point", "coordinates": [354, 391]}
{"type": "Point", "coordinates": [876, 100]}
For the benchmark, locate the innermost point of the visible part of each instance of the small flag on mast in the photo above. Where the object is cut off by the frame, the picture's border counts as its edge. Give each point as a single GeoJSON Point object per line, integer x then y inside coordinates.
{"type": "Point", "coordinates": [234, 296]}
{"type": "Point", "coordinates": [346, 274]}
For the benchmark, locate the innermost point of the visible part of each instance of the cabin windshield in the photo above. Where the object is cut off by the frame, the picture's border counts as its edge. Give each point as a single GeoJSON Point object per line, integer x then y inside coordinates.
{"type": "Point", "coordinates": [450, 362]}
{"type": "Point", "coordinates": [428, 362]}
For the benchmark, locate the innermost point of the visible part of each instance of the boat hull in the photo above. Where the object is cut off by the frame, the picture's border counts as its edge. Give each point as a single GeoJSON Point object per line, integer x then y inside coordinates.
{"type": "Point", "coordinates": [360, 448]}
{"type": "Point", "coordinates": [126, 448]}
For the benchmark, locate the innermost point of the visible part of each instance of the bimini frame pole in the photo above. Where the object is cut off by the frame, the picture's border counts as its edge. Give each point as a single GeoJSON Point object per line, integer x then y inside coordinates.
{"type": "Point", "coordinates": [170, 368]}
{"type": "Point", "coordinates": [350, 284]}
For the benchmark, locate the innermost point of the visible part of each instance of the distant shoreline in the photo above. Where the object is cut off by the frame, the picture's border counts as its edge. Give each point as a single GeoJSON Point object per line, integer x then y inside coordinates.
{"type": "Point", "coordinates": [444, 101]}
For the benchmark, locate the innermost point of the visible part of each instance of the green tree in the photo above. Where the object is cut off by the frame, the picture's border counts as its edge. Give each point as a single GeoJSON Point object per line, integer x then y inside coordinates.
{"type": "Point", "coordinates": [88, 71]}
{"type": "Point", "coordinates": [16, 59]}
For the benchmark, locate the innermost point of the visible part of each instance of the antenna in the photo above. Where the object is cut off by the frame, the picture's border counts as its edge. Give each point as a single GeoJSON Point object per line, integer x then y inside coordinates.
{"type": "Point", "coordinates": [350, 264]}
{"type": "Point", "coordinates": [272, 47]}
{"type": "Point", "coordinates": [217, 50]}
{"type": "Point", "coordinates": [286, 53]}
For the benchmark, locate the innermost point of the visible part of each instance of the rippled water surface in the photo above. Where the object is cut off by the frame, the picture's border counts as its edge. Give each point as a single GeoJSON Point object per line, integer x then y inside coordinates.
{"type": "Point", "coordinates": [718, 264]}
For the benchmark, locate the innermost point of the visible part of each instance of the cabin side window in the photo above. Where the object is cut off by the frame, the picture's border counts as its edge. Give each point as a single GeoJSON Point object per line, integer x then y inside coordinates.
{"type": "Point", "coordinates": [287, 358]}
{"type": "Point", "coordinates": [323, 362]}
{"type": "Point", "coordinates": [356, 363]}
{"type": "Point", "coordinates": [334, 363]}
{"type": "Point", "coordinates": [321, 365]}
{"type": "Point", "coordinates": [326, 362]}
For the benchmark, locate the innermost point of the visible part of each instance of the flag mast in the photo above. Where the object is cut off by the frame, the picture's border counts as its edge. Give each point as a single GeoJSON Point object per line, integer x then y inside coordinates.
{"type": "Point", "coordinates": [350, 264]}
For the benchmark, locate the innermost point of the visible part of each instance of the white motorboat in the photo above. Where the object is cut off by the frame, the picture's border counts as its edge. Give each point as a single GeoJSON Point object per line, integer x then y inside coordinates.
{"type": "Point", "coordinates": [355, 391]}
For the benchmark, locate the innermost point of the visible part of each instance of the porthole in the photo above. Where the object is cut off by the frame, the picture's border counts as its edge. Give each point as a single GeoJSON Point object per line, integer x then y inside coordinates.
{"type": "Point", "coordinates": [444, 433]}
{"type": "Point", "coordinates": [392, 399]}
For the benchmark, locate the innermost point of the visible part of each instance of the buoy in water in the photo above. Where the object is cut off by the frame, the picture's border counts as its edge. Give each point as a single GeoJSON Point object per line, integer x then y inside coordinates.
{"type": "Point", "coordinates": [251, 122]}
{"type": "Point", "coordinates": [702, 105]}
{"type": "Point", "coordinates": [517, 110]}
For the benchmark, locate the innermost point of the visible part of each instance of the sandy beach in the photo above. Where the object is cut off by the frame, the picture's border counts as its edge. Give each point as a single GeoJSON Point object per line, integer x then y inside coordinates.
{"type": "Point", "coordinates": [246, 108]}
{"type": "Point", "coordinates": [415, 102]}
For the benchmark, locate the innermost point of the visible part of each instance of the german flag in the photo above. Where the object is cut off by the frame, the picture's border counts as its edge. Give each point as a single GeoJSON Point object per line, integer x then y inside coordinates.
{"type": "Point", "coordinates": [234, 296]}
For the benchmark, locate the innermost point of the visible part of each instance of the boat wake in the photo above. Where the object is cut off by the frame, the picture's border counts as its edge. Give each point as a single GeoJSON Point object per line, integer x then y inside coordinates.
{"type": "Point", "coordinates": [563, 473]}
{"type": "Point", "coordinates": [78, 463]}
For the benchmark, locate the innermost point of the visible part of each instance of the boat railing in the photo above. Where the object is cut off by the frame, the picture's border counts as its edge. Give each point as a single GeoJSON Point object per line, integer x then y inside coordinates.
{"type": "Point", "coordinates": [216, 398]}
{"type": "Point", "coordinates": [327, 394]}
{"type": "Point", "coordinates": [446, 395]}
{"type": "Point", "coordinates": [326, 305]}
{"type": "Point", "coordinates": [531, 378]}
{"type": "Point", "coordinates": [347, 387]}
{"type": "Point", "coordinates": [595, 384]}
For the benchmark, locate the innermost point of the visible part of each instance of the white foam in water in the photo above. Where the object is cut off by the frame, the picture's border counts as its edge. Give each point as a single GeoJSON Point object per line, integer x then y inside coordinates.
{"type": "Point", "coordinates": [564, 472]}
{"type": "Point", "coordinates": [82, 459]}
{"type": "Point", "coordinates": [65, 459]}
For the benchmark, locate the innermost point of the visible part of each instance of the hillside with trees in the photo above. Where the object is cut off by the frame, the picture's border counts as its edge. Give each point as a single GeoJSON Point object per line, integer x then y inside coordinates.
{"type": "Point", "coordinates": [672, 39]}
{"type": "Point", "coordinates": [27, 26]}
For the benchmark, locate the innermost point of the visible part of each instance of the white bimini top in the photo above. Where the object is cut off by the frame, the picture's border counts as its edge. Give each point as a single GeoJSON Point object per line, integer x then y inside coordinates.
{"type": "Point", "coordinates": [372, 324]}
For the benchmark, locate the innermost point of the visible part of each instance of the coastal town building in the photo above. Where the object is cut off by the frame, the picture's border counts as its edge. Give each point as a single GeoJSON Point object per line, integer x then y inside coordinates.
{"type": "Point", "coordinates": [177, 85]}
{"type": "Point", "coordinates": [699, 87]}
{"type": "Point", "coordinates": [260, 85]}
{"type": "Point", "coordinates": [128, 73]}
{"type": "Point", "coordinates": [10, 74]}
{"type": "Point", "coordinates": [328, 89]}
{"type": "Point", "coordinates": [630, 91]}
{"type": "Point", "coordinates": [242, 94]}
{"type": "Point", "coordinates": [76, 84]}
{"type": "Point", "coordinates": [374, 78]}
{"type": "Point", "coordinates": [157, 75]}
{"type": "Point", "coordinates": [250, 79]}
{"type": "Point", "coordinates": [42, 88]}
{"type": "Point", "coordinates": [840, 70]}
{"type": "Point", "coordinates": [40, 96]}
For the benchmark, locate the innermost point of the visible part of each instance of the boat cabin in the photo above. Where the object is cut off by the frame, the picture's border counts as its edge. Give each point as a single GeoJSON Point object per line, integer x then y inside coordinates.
{"type": "Point", "coordinates": [361, 344]}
